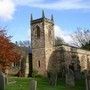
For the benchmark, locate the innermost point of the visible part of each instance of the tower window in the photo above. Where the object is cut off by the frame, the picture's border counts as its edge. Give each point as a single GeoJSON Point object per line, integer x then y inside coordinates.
{"type": "Point", "coordinates": [37, 31]}
{"type": "Point", "coordinates": [38, 63]}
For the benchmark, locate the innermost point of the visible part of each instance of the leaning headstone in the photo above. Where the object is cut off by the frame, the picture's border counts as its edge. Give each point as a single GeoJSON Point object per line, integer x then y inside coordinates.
{"type": "Point", "coordinates": [33, 85]}
{"type": "Point", "coordinates": [2, 81]}
{"type": "Point", "coordinates": [70, 78]}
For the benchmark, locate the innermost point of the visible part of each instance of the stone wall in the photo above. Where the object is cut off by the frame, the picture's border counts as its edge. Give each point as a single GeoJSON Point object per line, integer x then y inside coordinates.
{"type": "Point", "coordinates": [42, 47]}
{"type": "Point", "coordinates": [82, 55]}
{"type": "Point", "coordinates": [36, 42]}
{"type": "Point", "coordinates": [44, 52]}
{"type": "Point", "coordinates": [39, 61]}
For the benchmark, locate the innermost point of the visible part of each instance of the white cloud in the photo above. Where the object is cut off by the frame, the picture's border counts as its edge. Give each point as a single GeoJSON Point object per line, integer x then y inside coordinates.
{"type": "Point", "coordinates": [27, 2]}
{"type": "Point", "coordinates": [59, 32]}
{"type": "Point", "coordinates": [64, 5]}
{"type": "Point", "coordinates": [57, 5]}
{"type": "Point", "coordinates": [7, 9]}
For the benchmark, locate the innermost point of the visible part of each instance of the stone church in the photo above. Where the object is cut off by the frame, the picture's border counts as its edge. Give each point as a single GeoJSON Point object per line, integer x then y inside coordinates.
{"type": "Point", "coordinates": [46, 56]}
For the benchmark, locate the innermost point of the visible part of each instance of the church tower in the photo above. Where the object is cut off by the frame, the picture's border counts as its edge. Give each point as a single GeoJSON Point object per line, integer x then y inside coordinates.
{"type": "Point", "coordinates": [42, 41]}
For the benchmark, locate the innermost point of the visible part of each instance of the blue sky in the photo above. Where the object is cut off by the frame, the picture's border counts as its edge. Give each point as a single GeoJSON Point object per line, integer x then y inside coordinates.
{"type": "Point", "coordinates": [68, 15]}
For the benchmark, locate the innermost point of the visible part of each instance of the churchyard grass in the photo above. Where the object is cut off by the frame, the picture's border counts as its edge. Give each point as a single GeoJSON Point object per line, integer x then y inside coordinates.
{"type": "Point", "coordinates": [17, 83]}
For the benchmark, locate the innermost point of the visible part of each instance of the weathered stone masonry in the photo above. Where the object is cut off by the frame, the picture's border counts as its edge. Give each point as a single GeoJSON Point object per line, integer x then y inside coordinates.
{"type": "Point", "coordinates": [42, 40]}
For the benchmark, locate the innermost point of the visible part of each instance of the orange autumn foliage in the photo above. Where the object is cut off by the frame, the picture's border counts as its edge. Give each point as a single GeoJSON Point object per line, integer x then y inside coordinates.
{"type": "Point", "coordinates": [7, 51]}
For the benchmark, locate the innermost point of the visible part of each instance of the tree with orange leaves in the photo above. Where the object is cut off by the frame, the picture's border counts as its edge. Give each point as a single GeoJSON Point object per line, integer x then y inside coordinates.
{"type": "Point", "coordinates": [8, 53]}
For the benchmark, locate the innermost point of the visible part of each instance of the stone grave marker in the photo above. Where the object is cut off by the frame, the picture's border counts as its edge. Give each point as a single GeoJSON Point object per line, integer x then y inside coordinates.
{"type": "Point", "coordinates": [70, 78]}
{"type": "Point", "coordinates": [87, 80]}
{"type": "Point", "coordinates": [33, 85]}
{"type": "Point", "coordinates": [2, 81]}
{"type": "Point", "coordinates": [77, 75]}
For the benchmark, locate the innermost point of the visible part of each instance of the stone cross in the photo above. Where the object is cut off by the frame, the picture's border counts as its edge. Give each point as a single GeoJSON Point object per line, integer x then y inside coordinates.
{"type": "Point", "coordinates": [33, 85]}
{"type": "Point", "coordinates": [2, 81]}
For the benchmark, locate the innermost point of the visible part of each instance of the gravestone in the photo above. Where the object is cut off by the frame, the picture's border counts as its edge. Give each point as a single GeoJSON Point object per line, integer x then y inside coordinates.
{"type": "Point", "coordinates": [2, 81]}
{"type": "Point", "coordinates": [52, 77]}
{"type": "Point", "coordinates": [70, 78]}
{"type": "Point", "coordinates": [77, 75]}
{"type": "Point", "coordinates": [87, 81]}
{"type": "Point", "coordinates": [33, 85]}
{"type": "Point", "coordinates": [77, 71]}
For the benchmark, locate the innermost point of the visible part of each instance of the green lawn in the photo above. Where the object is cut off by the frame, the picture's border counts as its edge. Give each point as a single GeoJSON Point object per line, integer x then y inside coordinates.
{"type": "Point", "coordinates": [23, 84]}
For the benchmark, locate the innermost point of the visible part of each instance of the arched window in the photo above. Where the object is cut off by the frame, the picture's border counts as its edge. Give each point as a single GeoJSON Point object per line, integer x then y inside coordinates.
{"type": "Point", "coordinates": [37, 31]}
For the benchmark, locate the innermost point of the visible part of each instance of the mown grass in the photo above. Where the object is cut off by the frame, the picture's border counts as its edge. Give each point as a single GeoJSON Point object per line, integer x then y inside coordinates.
{"type": "Point", "coordinates": [18, 83]}
{"type": "Point", "coordinates": [23, 84]}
